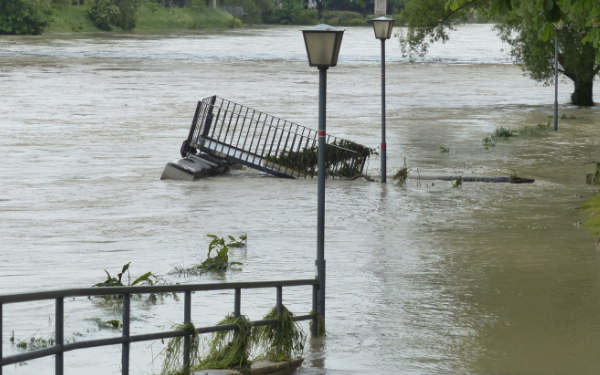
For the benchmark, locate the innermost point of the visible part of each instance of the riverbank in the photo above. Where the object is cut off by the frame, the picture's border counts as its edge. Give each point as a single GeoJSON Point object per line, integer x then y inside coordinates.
{"type": "Point", "coordinates": [74, 19]}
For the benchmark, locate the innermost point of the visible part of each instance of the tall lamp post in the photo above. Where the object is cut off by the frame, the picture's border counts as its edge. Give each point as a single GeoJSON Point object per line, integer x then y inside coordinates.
{"type": "Point", "coordinates": [322, 47]}
{"type": "Point", "coordinates": [383, 30]}
{"type": "Point", "coordinates": [557, 26]}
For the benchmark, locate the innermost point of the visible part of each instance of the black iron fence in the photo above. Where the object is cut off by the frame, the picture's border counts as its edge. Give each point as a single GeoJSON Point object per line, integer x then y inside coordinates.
{"type": "Point", "coordinates": [239, 134]}
{"type": "Point", "coordinates": [125, 339]}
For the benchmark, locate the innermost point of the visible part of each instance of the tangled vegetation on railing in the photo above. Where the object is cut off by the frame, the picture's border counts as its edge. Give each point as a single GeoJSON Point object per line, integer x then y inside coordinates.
{"type": "Point", "coordinates": [321, 322]}
{"type": "Point", "coordinates": [173, 352]}
{"type": "Point", "coordinates": [232, 349]}
{"type": "Point", "coordinates": [343, 159]}
{"type": "Point", "coordinates": [289, 345]}
{"type": "Point", "coordinates": [229, 349]}
{"type": "Point", "coordinates": [218, 263]}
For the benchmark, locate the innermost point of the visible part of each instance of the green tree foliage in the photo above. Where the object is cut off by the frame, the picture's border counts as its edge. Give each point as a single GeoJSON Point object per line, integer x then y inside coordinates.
{"type": "Point", "coordinates": [107, 14]}
{"type": "Point", "coordinates": [527, 25]}
{"type": "Point", "coordinates": [24, 17]}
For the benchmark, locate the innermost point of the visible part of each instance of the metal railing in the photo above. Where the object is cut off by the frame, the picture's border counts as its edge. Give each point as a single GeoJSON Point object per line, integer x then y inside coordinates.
{"type": "Point", "coordinates": [243, 135]}
{"type": "Point", "coordinates": [125, 339]}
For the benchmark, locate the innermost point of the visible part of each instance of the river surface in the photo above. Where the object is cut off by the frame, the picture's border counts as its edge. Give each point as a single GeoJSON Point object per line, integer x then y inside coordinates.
{"type": "Point", "coordinates": [422, 279]}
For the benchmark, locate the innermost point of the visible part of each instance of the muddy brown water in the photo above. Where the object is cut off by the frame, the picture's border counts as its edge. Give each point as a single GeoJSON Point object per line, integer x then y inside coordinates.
{"type": "Point", "coordinates": [423, 279]}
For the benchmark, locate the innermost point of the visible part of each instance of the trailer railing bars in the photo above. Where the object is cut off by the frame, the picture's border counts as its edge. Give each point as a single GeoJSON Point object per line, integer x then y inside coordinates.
{"type": "Point", "coordinates": [126, 338]}
{"type": "Point", "coordinates": [238, 134]}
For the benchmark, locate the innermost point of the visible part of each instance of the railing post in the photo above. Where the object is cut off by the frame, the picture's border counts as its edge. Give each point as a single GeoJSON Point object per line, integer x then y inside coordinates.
{"type": "Point", "coordinates": [59, 335]}
{"type": "Point", "coordinates": [1, 356]}
{"type": "Point", "coordinates": [279, 309]}
{"type": "Point", "coordinates": [187, 317]}
{"type": "Point", "coordinates": [125, 345]}
{"type": "Point", "coordinates": [238, 303]}
{"type": "Point", "coordinates": [315, 330]}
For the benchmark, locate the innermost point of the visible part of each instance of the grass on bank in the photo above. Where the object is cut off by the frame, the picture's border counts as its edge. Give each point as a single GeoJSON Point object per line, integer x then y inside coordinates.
{"type": "Point", "coordinates": [592, 208]}
{"type": "Point", "coordinates": [185, 18]}
{"type": "Point", "coordinates": [74, 19]}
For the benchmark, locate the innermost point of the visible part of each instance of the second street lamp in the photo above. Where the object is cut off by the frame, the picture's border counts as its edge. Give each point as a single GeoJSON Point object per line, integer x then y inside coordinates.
{"type": "Point", "coordinates": [383, 27]}
{"type": "Point", "coordinates": [323, 44]}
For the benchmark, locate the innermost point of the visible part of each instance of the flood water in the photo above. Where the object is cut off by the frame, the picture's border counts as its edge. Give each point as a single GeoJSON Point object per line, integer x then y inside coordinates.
{"type": "Point", "coordinates": [422, 279]}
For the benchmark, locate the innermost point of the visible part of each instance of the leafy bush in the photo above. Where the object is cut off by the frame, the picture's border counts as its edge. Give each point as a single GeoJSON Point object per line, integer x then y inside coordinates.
{"type": "Point", "coordinates": [153, 7]}
{"type": "Point", "coordinates": [109, 13]}
{"type": "Point", "coordinates": [334, 21]}
{"type": "Point", "coordinates": [24, 17]}
{"type": "Point", "coordinates": [305, 17]}
{"type": "Point", "coordinates": [103, 14]}
{"type": "Point", "coordinates": [235, 23]}
{"type": "Point", "coordinates": [127, 13]}
{"type": "Point", "coordinates": [344, 18]}
{"type": "Point", "coordinates": [356, 22]}
{"type": "Point", "coordinates": [291, 13]}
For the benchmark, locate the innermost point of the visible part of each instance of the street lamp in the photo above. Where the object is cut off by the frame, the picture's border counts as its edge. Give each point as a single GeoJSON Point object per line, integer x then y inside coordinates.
{"type": "Point", "coordinates": [558, 26]}
{"type": "Point", "coordinates": [322, 47]}
{"type": "Point", "coordinates": [383, 30]}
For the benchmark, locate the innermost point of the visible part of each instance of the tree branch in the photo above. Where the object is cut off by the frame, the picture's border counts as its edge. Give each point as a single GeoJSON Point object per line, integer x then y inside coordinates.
{"type": "Point", "coordinates": [453, 12]}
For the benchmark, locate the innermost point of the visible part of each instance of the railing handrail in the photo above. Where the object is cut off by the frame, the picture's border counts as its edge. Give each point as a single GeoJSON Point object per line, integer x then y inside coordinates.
{"type": "Point", "coordinates": [60, 347]}
{"type": "Point", "coordinates": [239, 114]}
{"type": "Point", "coordinates": [118, 290]}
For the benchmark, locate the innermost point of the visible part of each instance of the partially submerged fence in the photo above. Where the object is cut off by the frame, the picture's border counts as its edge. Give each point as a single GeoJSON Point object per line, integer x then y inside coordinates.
{"type": "Point", "coordinates": [243, 135]}
{"type": "Point", "coordinates": [125, 339]}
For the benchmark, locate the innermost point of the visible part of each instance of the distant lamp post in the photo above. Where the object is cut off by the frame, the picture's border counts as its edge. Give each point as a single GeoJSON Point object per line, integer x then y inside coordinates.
{"type": "Point", "coordinates": [383, 27]}
{"type": "Point", "coordinates": [322, 47]}
{"type": "Point", "coordinates": [558, 26]}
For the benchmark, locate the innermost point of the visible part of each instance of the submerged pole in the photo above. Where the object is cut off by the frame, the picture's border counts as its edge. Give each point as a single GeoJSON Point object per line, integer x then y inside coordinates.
{"type": "Point", "coordinates": [320, 262]}
{"type": "Point", "coordinates": [556, 82]}
{"type": "Point", "coordinates": [383, 144]}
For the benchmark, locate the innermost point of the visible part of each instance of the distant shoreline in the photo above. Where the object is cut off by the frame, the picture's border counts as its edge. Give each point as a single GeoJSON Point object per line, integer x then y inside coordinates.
{"type": "Point", "coordinates": [74, 19]}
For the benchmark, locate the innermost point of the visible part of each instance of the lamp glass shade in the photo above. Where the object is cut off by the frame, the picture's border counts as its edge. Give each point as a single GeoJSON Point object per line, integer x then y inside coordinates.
{"type": "Point", "coordinates": [323, 44]}
{"type": "Point", "coordinates": [383, 27]}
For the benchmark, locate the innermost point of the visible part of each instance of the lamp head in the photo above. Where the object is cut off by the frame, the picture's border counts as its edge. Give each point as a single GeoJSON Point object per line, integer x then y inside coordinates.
{"type": "Point", "coordinates": [323, 44]}
{"type": "Point", "coordinates": [383, 27]}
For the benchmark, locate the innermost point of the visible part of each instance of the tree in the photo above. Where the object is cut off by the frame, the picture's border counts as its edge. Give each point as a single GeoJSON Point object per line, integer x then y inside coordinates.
{"type": "Point", "coordinates": [24, 16]}
{"type": "Point", "coordinates": [525, 25]}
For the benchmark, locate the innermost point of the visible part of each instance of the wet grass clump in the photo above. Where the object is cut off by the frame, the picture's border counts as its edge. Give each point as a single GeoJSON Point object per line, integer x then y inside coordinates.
{"type": "Point", "coordinates": [33, 343]}
{"type": "Point", "coordinates": [217, 259]}
{"type": "Point", "coordinates": [444, 150]}
{"type": "Point", "coordinates": [539, 129]}
{"type": "Point", "coordinates": [229, 349]}
{"type": "Point", "coordinates": [289, 345]}
{"type": "Point", "coordinates": [499, 133]}
{"type": "Point", "coordinates": [458, 183]}
{"type": "Point", "coordinates": [402, 175]}
{"type": "Point", "coordinates": [173, 352]}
